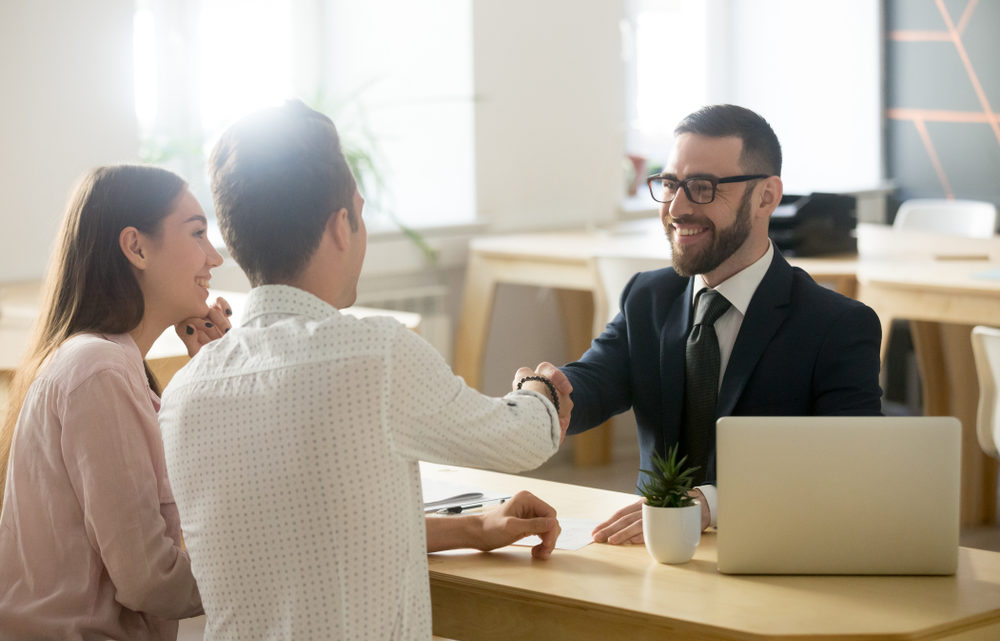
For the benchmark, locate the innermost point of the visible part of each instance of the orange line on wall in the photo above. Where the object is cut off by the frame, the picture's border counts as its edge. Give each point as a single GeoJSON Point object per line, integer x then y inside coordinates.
{"type": "Point", "coordinates": [940, 115]}
{"type": "Point", "coordinates": [973, 78]}
{"type": "Point", "coordinates": [964, 20]}
{"type": "Point", "coordinates": [920, 36]}
{"type": "Point", "coordinates": [932, 154]}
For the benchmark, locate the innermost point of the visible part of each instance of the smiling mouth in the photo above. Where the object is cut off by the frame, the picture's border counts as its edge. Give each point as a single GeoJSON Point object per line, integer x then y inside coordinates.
{"type": "Point", "coordinates": [688, 229]}
{"type": "Point", "coordinates": [201, 282]}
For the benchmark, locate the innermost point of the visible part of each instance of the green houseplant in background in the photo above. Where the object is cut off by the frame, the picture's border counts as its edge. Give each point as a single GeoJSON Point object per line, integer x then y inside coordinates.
{"type": "Point", "coordinates": [359, 149]}
{"type": "Point", "coordinates": [671, 519]}
{"type": "Point", "coordinates": [359, 143]}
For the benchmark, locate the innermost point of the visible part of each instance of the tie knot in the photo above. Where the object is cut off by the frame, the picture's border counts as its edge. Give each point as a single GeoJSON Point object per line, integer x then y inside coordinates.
{"type": "Point", "coordinates": [709, 305]}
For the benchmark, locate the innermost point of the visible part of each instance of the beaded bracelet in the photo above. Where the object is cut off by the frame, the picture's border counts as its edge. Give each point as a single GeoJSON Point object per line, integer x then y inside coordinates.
{"type": "Point", "coordinates": [548, 384]}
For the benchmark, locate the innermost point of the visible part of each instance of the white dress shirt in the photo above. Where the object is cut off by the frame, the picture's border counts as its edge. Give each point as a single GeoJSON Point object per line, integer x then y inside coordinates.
{"type": "Point", "coordinates": [292, 446]}
{"type": "Point", "coordinates": [738, 289]}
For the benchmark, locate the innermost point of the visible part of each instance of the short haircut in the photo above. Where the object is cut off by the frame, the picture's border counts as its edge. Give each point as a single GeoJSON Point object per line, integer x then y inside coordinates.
{"type": "Point", "coordinates": [761, 152]}
{"type": "Point", "coordinates": [277, 176]}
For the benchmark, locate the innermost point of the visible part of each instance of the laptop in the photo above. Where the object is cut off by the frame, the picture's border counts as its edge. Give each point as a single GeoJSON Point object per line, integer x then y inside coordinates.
{"type": "Point", "coordinates": [838, 495]}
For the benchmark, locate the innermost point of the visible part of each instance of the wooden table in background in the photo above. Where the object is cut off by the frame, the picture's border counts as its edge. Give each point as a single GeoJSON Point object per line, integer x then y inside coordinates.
{"type": "Point", "coordinates": [606, 592]}
{"type": "Point", "coordinates": [943, 300]}
{"type": "Point", "coordinates": [561, 261]}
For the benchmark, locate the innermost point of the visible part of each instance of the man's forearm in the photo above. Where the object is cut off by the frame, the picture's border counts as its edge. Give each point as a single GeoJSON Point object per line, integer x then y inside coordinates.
{"type": "Point", "coordinates": [451, 532]}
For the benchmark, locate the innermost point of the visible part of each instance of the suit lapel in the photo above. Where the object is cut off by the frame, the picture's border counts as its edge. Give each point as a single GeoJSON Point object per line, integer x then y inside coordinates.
{"type": "Point", "coordinates": [673, 339]}
{"type": "Point", "coordinates": [766, 313]}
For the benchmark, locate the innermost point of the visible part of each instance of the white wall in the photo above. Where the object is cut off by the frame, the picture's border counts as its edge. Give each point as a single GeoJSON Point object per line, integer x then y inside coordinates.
{"type": "Point", "coordinates": [549, 112]}
{"type": "Point", "coordinates": [550, 145]}
{"type": "Point", "coordinates": [814, 71]}
{"type": "Point", "coordinates": [66, 72]}
{"type": "Point", "coordinates": [404, 69]}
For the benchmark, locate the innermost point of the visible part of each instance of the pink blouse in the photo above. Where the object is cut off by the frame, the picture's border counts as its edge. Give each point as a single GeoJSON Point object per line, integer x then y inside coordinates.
{"type": "Point", "coordinates": [90, 542]}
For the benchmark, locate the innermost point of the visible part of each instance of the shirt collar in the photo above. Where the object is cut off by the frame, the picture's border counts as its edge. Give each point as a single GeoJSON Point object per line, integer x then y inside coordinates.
{"type": "Point", "coordinates": [284, 300]}
{"type": "Point", "coordinates": [127, 343]}
{"type": "Point", "coordinates": [740, 287]}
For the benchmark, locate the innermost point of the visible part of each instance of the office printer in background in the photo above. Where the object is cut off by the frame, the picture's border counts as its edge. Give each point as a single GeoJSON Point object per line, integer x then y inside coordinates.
{"type": "Point", "coordinates": [815, 224]}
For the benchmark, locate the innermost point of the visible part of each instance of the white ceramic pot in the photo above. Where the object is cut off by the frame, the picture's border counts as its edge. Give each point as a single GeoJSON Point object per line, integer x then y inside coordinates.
{"type": "Point", "coordinates": [672, 533]}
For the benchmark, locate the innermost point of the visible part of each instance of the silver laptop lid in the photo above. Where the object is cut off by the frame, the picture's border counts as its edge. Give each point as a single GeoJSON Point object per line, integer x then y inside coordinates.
{"type": "Point", "coordinates": [838, 495]}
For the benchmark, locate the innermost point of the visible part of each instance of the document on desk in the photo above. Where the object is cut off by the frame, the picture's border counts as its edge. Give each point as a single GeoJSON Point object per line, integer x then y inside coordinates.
{"type": "Point", "coordinates": [576, 534]}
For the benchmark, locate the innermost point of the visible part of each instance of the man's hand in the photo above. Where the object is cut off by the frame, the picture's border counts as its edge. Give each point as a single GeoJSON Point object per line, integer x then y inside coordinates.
{"type": "Point", "coordinates": [706, 516]}
{"type": "Point", "coordinates": [523, 515]}
{"type": "Point", "coordinates": [624, 526]}
{"type": "Point", "coordinates": [196, 332]}
{"type": "Point", "coordinates": [562, 385]}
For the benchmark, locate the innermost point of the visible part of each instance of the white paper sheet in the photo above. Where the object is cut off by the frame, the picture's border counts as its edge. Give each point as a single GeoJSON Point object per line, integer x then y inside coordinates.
{"type": "Point", "coordinates": [576, 534]}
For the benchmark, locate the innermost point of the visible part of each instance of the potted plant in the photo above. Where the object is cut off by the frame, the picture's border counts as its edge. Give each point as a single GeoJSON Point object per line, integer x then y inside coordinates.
{"type": "Point", "coordinates": [671, 519]}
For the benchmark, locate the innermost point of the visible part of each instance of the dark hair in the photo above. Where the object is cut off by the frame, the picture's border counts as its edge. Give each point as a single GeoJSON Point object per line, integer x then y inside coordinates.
{"type": "Point", "coordinates": [90, 285]}
{"type": "Point", "coordinates": [761, 150]}
{"type": "Point", "coordinates": [277, 175]}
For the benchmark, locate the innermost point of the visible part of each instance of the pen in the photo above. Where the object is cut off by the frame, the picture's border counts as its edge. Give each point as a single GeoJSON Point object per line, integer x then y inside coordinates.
{"type": "Point", "coordinates": [458, 509]}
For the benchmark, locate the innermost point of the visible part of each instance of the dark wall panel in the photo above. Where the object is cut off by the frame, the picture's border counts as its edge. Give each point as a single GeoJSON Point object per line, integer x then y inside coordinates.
{"type": "Point", "coordinates": [943, 98]}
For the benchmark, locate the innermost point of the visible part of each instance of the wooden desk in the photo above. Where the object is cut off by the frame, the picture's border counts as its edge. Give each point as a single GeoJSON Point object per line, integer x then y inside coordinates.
{"type": "Point", "coordinates": [20, 303]}
{"type": "Point", "coordinates": [618, 592]}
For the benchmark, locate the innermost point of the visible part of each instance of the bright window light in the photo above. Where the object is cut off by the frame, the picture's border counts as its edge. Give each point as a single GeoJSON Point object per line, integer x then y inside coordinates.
{"type": "Point", "coordinates": [394, 75]}
{"type": "Point", "coordinates": [669, 71]}
{"type": "Point", "coordinates": [246, 59]}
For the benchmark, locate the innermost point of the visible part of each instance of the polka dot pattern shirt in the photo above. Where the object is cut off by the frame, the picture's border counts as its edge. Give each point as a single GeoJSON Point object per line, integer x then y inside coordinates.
{"type": "Point", "coordinates": [292, 446]}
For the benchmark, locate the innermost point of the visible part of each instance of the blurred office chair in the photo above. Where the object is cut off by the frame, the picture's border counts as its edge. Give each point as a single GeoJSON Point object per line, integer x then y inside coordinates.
{"type": "Point", "coordinates": [986, 350]}
{"type": "Point", "coordinates": [969, 218]}
{"type": "Point", "coordinates": [613, 272]}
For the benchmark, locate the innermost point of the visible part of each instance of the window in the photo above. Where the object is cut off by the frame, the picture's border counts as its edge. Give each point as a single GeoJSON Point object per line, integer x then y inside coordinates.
{"type": "Point", "coordinates": [666, 71]}
{"type": "Point", "coordinates": [399, 89]}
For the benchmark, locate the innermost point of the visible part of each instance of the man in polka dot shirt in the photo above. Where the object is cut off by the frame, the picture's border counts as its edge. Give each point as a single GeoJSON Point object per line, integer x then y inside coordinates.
{"type": "Point", "coordinates": [293, 442]}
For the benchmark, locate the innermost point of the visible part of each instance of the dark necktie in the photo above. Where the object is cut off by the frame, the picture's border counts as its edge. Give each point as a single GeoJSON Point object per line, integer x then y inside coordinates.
{"type": "Point", "coordinates": [701, 381]}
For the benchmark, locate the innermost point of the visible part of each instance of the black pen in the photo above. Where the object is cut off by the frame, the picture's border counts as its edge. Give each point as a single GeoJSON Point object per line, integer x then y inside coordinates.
{"type": "Point", "coordinates": [458, 509]}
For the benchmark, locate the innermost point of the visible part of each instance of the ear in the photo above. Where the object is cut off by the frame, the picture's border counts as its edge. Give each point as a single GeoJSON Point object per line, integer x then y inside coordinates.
{"type": "Point", "coordinates": [769, 196]}
{"type": "Point", "coordinates": [338, 225]}
{"type": "Point", "coordinates": [131, 241]}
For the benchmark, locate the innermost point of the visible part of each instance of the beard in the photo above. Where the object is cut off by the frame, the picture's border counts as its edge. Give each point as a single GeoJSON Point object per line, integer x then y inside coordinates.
{"type": "Point", "coordinates": [725, 242]}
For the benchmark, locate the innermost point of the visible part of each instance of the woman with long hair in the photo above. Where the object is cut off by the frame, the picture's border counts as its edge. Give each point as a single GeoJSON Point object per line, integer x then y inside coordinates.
{"type": "Point", "coordinates": [90, 541]}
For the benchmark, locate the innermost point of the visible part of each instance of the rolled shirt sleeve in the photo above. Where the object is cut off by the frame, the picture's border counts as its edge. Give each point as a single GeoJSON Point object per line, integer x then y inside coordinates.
{"type": "Point", "coordinates": [436, 417]}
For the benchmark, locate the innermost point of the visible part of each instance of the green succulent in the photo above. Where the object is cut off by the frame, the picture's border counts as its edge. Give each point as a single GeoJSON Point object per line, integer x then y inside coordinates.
{"type": "Point", "coordinates": [670, 484]}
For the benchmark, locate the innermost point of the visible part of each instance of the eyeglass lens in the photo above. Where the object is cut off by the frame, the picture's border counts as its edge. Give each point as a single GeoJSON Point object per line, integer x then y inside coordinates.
{"type": "Point", "coordinates": [699, 190]}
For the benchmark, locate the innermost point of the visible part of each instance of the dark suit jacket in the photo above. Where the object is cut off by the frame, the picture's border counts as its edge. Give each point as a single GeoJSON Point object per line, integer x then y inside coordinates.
{"type": "Point", "coordinates": [802, 350]}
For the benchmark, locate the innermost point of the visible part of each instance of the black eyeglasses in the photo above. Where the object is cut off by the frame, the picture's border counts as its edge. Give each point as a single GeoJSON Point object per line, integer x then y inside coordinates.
{"type": "Point", "coordinates": [700, 190]}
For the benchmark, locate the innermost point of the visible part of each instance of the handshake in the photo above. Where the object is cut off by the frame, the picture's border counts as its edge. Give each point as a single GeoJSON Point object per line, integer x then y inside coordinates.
{"type": "Point", "coordinates": [549, 381]}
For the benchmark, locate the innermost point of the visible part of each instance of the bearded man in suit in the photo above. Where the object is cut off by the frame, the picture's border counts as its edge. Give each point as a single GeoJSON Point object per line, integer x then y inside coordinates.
{"type": "Point", "coordinates": [731, 328]}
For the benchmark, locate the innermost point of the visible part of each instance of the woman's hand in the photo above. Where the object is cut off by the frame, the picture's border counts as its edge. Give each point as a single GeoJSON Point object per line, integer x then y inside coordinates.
{"type": "Point", "coordinates": [196, 332]}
